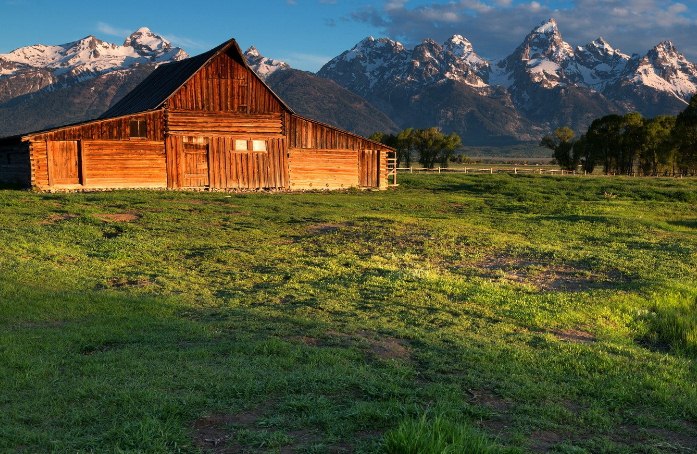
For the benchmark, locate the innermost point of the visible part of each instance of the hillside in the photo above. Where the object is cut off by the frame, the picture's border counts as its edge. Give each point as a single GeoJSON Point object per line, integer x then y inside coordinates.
{"type": "Point", "coordinates": [323, 99]}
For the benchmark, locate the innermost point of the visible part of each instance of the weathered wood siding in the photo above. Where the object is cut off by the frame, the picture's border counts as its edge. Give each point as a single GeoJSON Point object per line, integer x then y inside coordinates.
{"type": "Point", "coordinates": [127, 164]}
{"type": "Point", "coordinates": [188, 122]}
{"type": "Point", "coordinates": [328, 158]}
{"type": "Point", "coordinates": [98, 164]}
{"type": "Point", "coordinates": [39, 164]}
{"type": "Point", "coordinates": [323, 169]}
{"type": "Point", "coordinates": [15, 167]}
{"type": "Point", "coordinates": [112, 129]}
{"type": "Point", "coordinates": [63, 162]}
{"type": "Point", "coordinates": [372, 167]}
{"type": "Point", "coordinates": [228, 168]}
{"type": "Point", "coordinates": [225, 85]}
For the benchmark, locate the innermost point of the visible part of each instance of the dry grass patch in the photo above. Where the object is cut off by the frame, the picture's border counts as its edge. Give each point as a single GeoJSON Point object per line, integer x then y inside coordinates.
{"type": "Point", "coordinates": [546, 276]}
{"type": "Point", "coordinates": [575, 336]}
{"type": "Point", "coordinates": [58, 217]}
{"type": "Point", "coordinates": [118, 217]}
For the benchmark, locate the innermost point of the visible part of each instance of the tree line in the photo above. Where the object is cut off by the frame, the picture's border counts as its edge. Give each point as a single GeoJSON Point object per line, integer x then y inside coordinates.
{"type": "Point", "coordinates": [629, 144]}
{"type": "Point", "coordinates": [430, 145]}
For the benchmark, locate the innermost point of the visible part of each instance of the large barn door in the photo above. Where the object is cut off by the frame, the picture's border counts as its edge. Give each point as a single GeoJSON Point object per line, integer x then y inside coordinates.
{"type": "Point", "coordinates": [63, 163]}
{"type": "Point", "coordinates": [195, 165]}
{"type": "Point", "coordinates": [369, 168]}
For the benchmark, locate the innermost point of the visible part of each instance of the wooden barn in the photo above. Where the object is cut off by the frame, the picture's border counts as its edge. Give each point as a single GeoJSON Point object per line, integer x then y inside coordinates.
{"type": "Point", "coordinates": [205, 122]}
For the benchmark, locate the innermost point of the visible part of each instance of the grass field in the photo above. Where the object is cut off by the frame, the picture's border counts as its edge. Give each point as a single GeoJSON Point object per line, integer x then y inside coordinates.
{"type": "Point", "coordinates": [458, 313]}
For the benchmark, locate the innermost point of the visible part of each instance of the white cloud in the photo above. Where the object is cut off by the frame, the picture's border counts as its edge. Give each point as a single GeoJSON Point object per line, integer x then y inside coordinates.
{"type": "Point", "coordinates": [184, 42]}
{"type": "Point", "coordinates": [110, 30]}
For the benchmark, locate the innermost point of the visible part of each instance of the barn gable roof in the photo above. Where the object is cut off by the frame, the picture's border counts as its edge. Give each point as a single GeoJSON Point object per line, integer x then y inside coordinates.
{"type": "Point", "coordinates": [161, 84]}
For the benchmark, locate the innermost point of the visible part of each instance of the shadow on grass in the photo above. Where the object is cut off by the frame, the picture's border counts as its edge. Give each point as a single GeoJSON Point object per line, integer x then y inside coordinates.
{"type": "Point", "coordinates": [107, 369]}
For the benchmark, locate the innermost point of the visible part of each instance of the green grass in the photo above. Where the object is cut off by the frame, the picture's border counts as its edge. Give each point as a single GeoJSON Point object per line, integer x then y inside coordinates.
{"type": "Point", "coordinates": [518, 313]}
{"type": "Point", "coordinates": [437, 436]}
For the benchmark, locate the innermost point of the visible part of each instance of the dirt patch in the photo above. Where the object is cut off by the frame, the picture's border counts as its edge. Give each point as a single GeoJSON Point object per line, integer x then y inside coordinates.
{"type": "Point", "coordinates": [325, 228]}
{"type": "Point", "coordinates": [679, 440]}
{"type": "Point", "coordinates": [489, 399]}
{"type": "Point", "coordinates": [128, 282]}
{"type": "Point", "coordinates": [676, 440]}
{"type": "Point", "coordinates": [544, 440]}
{"type": "Point", "coordinates": [575, 336]}
{"type": "Point", "coordinates": [118, 217]}
{"type": "Point", "coordinates": [58, 217]}
{"type": "Point", "coordinates": [381, 347]}
{"type": "Point", "coordinates": [307, 340]}
{"type": "Point", "coordinates": [389, 348]}
{"type": "Point", "coordinates": [213, 433]}
{"type": "Point", "coordinates": [546, 276]}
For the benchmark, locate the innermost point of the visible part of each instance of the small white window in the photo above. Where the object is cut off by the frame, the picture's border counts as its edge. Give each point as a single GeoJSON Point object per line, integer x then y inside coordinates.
{"type": "Point", "coordinates": [241, 145]}
{"type": "Point", "coordinates": [258, 145]}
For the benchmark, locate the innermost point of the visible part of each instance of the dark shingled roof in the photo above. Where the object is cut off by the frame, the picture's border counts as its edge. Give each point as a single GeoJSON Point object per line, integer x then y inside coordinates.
{"type": "Point", "coordinates": [165, 80]}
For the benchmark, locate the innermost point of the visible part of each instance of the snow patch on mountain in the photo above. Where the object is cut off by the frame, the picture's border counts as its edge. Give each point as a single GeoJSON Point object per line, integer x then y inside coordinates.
{"type": "Point", "coordinates": [263, 66]}
{"type": "Point", "coordinates": [665, 69]}
{"type": "Point", "coordinates": [90, 55]}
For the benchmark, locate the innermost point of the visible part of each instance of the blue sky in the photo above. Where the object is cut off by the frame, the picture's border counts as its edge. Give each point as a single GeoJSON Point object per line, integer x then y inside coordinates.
{"type": "Point", "coordinates": [307, 33]}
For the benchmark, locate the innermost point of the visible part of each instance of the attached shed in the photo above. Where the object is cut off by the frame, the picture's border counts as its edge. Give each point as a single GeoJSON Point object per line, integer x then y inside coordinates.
{"type": "Point", "coordinates": [205, 122]}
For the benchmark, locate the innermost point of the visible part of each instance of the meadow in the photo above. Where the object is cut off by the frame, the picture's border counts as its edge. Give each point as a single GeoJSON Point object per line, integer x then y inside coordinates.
{"type": "Point", "coordinates": [456, 313]}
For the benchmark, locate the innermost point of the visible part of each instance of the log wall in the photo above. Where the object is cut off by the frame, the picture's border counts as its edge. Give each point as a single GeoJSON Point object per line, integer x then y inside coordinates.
{"type": "Point", "coordinates": [323, 169]}
{"type": "Point", "coordinates": [187, 122]}
{"type": "Point", "coordinates": [15, 167]}
{"type": "Point", "coordinates": [39, 164]}
{"type": "Point", "coordinates": [98, 164]}
{"type": "Point", "coordinates": [115, 164]}
{"type": "Point", "coordinates": [112, 129]}
{"type": "Point", "coordinates": [225, 85]}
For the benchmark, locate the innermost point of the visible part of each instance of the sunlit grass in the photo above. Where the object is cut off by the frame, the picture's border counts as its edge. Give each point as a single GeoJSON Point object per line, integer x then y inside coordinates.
{"type": "Point", "coordinates": [518, 312]}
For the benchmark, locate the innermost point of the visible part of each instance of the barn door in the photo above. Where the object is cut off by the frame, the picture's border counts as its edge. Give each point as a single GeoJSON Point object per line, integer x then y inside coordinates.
{"type": "Point", "coordinates": [195, 165]}
{"type": "Point", "coordinates": [369, 168]}
{"type": "Point", "coordinates": [63, 162]}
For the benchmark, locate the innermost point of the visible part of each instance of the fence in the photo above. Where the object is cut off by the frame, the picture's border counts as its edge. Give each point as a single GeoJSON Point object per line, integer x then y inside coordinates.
{"type": "Point", "coordinates": [492, 170]}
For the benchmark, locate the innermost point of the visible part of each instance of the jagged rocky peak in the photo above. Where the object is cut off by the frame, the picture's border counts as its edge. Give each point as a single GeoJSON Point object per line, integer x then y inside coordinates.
{"type": "Point", "coordinates": [597, 64]}
{"type": "Point", "coordinates": [91, 55]}
{"type": "Point", "coordinates": [664, 69]}
{"type": "Point", "coordinates": [148, 44]}
{"type": "Point", "coordinates": [263, 66]}
{"type": "Point", "coordinates": [462, 48]}
{"type": "Point", "coordinates": [458, 45]}
{"type": "Point", "coordinates": [546, 41]}
{"type": "Point", "coordinates": [540, 59]}
{"type": "Point", "coordinates": [372, 50]}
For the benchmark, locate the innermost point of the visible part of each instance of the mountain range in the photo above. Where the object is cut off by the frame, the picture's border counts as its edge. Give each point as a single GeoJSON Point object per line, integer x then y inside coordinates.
{"type": "Point", "coordinates": [379, 84]}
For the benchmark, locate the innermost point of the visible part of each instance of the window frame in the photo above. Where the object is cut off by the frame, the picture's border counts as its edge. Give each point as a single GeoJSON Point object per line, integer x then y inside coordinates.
{"type": "Point", "coordinates": [141, 129]}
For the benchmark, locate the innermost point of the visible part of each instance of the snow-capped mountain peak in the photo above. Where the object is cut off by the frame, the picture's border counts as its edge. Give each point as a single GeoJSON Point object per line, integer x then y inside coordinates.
{"type": "Point", "coordinates": [548, 27]}
{"type": "Point", "coordinates": [540, 59]}
{"type": "Point", "coordinates": [664, 69]}
{"type": "Point", "coordinates": [90, 56]}
{"type": "Point", "coordinates": [458, 45]}
{"type": "Point", "coordinates": [263, 66]}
